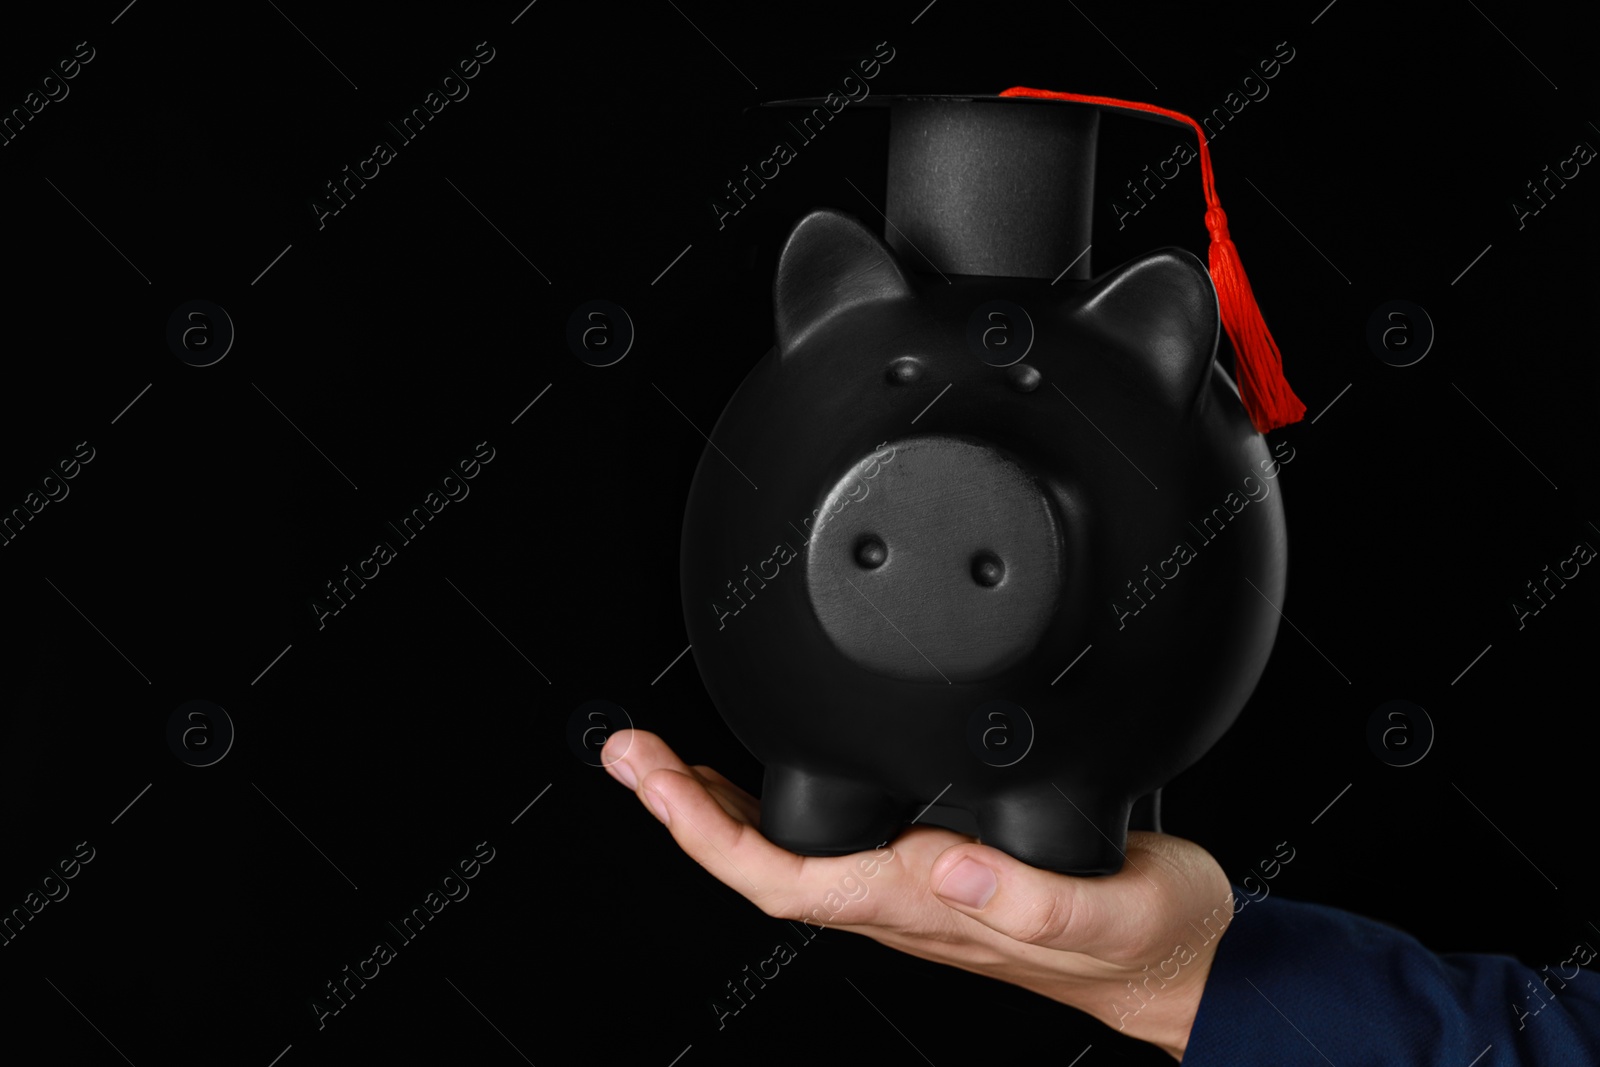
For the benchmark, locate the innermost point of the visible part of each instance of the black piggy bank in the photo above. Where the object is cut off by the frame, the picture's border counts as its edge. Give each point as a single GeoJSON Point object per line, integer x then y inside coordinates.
{"type": "Point", "coordinates": [1014, 600]}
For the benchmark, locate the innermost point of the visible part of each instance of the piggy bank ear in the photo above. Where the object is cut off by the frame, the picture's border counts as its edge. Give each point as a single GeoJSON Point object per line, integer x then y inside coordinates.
{"type": "Point", "coordinates": [829, 264]}
{"type": "Point", "coordinates": [1161, 311]}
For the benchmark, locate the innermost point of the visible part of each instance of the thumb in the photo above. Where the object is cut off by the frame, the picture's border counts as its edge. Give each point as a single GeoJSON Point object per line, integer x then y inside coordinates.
{"type": "Point", "coordinates": [1106, 916]}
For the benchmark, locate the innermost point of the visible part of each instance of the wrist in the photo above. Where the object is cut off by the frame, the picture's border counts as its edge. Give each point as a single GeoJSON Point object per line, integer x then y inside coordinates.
{"type": "Point", "coordinates": [1156, 997]}
{"type": "Point", "coordinates": [1162, 1014]}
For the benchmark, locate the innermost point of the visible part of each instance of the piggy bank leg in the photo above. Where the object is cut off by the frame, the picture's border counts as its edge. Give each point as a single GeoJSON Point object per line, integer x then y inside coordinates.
{"type": "Point", "coordinates": [1055, 830]}
{"type": "Point", "coordinates": [1147, 813]}
{"type": "Point", "coordinates": [815, 815]}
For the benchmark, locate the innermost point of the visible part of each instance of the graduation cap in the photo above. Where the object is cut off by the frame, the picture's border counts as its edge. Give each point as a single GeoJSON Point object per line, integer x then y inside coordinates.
{"type": "Point", "coordinates": [1003, 186]}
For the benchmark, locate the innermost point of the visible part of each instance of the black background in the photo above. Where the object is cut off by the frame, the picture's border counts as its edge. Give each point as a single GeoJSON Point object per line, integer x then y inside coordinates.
{"type": "Point", "coordinates": [407, 330]}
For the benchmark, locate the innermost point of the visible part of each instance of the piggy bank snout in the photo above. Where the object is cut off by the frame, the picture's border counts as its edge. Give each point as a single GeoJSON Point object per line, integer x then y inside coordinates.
{"type": "Point", "coordinates": [936, 559]}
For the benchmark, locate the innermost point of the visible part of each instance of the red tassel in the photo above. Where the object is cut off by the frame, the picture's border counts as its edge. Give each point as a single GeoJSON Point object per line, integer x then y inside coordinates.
{"type": "Point", "coordinates": [1258, 365]}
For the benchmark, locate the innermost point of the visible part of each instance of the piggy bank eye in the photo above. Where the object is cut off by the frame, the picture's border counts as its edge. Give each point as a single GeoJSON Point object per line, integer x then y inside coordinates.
{"type": "Point", "coordinates": [905, 370]}
{"type": "Point", "coordinates": [1023, 378]}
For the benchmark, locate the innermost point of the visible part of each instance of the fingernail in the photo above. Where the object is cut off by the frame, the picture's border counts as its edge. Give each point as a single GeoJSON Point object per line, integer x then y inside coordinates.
{"type": "Point", "coordinates": [969, 883]}
{"type": "Point", "coordinates": [623, 773]}
{"type": "Point", "coordinates": [658, 804]}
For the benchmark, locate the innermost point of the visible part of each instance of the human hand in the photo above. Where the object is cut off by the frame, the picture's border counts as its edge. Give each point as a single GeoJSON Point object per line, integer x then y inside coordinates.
{"type": "Point", "coordinates": [1132, 949]}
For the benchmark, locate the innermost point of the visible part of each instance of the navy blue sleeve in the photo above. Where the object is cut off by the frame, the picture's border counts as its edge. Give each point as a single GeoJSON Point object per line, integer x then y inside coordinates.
{"type": "Point", "coordinates": [1295, 983]}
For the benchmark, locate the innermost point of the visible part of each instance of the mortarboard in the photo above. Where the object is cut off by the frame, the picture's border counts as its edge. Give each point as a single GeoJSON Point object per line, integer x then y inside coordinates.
{"type": "Point", "coordinates": [1003, 186]}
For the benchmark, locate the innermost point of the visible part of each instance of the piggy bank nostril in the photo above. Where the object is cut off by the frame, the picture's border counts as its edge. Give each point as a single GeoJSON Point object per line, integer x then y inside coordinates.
{"type": "Point", "coordinates": [871, 552]}
{"type": "Point", "coordinates": [987, 570]}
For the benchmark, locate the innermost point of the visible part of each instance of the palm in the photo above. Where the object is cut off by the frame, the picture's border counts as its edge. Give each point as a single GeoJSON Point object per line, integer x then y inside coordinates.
{"type": "Point", "coordinates": [1075, 940]}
